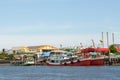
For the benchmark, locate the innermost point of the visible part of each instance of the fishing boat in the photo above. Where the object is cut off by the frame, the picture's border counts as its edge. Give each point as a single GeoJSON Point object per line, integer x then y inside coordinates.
{"type": "Point", "coordinates": [30, 59]}
{"type": "Point", "coordinates": [97, 59]}
{"type": "Point", "coordinates": [63, 58]}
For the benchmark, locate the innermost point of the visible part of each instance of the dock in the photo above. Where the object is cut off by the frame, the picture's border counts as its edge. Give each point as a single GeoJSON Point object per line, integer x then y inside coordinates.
{"type": "Point", "coordinates": [17, 63]}
{"type": "Point", "coordinates": [112, 62]}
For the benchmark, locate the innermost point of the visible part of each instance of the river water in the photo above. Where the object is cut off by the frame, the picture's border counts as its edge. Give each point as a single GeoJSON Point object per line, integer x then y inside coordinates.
{"type": "Point", "coordinates": [59, 73]}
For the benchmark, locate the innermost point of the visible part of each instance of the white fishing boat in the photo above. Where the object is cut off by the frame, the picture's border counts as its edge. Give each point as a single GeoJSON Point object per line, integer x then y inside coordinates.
{"type": "Point", "coordinates": [63, 58]}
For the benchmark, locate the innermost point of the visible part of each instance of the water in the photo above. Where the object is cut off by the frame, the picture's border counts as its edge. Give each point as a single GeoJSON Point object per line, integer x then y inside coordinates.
{"type": "Point", "coordinates": [59, 73]}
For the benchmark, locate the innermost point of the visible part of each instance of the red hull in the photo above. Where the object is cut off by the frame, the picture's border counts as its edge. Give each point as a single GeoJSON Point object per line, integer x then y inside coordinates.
{"type": "Point", "coordinates": [97, 62]}
{"type": "Point", "coordinates": [80, 63]}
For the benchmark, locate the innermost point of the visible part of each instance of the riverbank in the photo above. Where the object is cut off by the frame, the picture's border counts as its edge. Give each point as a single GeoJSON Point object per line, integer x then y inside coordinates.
{"type": "Point", "coordinates": [4, 62]}
{"type": "Point", "coordinates": [8, 64]}
{"type": "Point", "coordinates": [115, 64]}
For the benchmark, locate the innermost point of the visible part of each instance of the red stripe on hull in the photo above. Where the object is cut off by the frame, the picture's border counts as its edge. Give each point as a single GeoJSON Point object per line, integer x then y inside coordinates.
{"type": "Point", "coordinates": [97, 62]}
{"type": "Point", "coordinates": [81, 63]}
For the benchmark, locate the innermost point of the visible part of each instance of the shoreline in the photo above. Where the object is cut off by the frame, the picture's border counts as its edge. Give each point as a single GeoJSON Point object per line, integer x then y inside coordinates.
{"type": "Point", "coordinates": [8, 64]}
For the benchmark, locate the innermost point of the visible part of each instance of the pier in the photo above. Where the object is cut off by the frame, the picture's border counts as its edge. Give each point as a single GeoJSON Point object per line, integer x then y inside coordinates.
{"type": "Point", "coordinates": [17, 63]}
{"type": "Point", "coordinates": [112, 62]}
{"type": "Point", "coordinates": [4, 62]}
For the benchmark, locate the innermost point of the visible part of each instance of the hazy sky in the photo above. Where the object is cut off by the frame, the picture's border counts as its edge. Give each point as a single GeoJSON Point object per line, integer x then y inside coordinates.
{"type": "Point", "coordinates": [55, 22]}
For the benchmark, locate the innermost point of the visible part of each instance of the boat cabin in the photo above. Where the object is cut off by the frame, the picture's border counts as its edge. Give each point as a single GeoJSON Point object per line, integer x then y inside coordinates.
{"type": "Point", "coordinates": [58, 56]}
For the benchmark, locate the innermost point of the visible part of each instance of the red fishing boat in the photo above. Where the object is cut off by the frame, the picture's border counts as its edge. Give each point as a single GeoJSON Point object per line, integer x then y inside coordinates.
{"type": "Point", "coordinates": [63, 58]}
{"type": "Point", "coordinates": [96, 58]}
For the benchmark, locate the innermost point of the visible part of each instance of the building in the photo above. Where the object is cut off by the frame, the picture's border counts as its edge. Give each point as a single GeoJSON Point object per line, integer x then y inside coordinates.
{"type": "Point", "coordinates": [20, 49]}
{"type": "Point", "coordinates": [46, 48]}
{"type": "Point", "coordinates": [41, 48]}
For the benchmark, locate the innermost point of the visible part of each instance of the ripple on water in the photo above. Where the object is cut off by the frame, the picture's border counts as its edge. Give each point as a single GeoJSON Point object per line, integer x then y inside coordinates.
{"type": "Point", "coordinates": [59, 73]}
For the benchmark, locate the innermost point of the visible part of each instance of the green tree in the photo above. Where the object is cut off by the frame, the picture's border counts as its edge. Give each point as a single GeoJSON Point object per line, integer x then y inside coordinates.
{"type": "Point", "coordinates": [112, 49]}
{"type": "Point", "coordinates": [3, 51]}
{"type": "Point", "coordinates": [10, 56]}
{"type": "Point", "coordinates": [3, 55]}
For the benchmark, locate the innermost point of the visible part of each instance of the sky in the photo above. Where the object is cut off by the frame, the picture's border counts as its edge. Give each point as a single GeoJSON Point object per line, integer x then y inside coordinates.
{"type": "Point", "coordinates": [55, 22]}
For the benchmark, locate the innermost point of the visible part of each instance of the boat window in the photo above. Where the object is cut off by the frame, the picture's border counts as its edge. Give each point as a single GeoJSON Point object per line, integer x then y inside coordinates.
{"type": "Point", "coordinates": [57, 61]}
{"type": "Point", "coordinates": [52, 61]}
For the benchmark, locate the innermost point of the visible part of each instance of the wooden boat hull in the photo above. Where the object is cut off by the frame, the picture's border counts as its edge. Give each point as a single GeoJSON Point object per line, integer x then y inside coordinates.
{"type": "Point", "coordinates": [77, 63]}
{"type": "Point", "coordinates": [97, 62]}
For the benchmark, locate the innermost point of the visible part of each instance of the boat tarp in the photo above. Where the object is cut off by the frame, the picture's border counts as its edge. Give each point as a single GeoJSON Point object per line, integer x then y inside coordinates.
{"type": "Point", "coordinates": [117, 53]}
{"type": "Point", "coordinates": [64, 54]}
{"type": "Point", "coordinates": [94, 53]}
{"type": "Point", "coordinates": [46, 54]}
{"type": "Point", "coordinates": [86, 50]}
{"type": "Point", "coordinates": [114, 55]}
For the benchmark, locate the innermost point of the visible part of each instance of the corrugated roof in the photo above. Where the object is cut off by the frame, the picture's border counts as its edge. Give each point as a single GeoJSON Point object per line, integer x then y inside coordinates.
{"type": "Point", "coordinates": [36, 47]}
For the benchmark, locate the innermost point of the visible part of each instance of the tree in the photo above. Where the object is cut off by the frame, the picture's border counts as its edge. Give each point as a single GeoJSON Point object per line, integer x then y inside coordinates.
{"type": "Point", "coordinates": [3, 51]}
{"type": "Point", "coordinates": [10, 56]}
{"type": "Point", "coordinates": [112, 49]}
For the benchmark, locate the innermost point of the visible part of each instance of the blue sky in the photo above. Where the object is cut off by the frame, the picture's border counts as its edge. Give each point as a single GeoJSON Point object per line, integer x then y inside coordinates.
{"type": "Point", "coordinates": [67, 22]}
